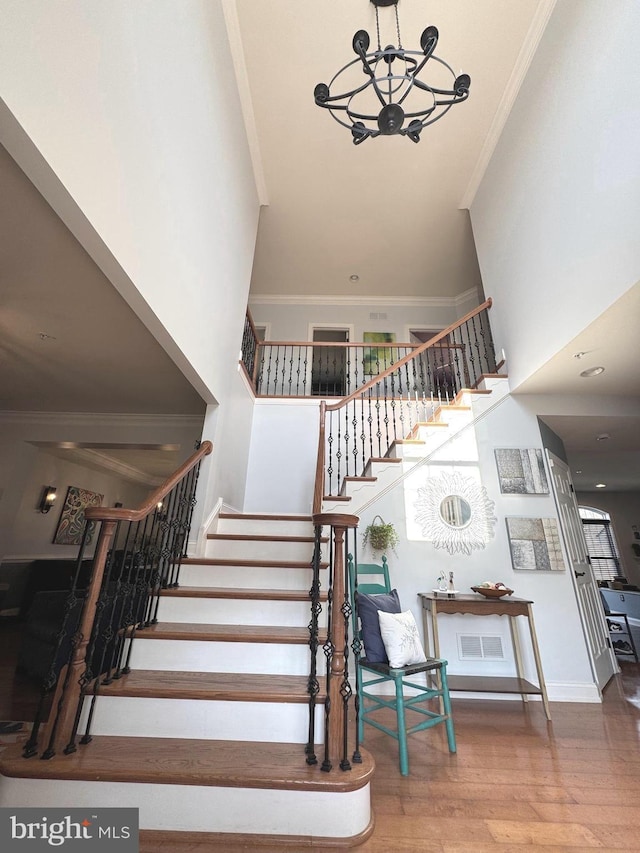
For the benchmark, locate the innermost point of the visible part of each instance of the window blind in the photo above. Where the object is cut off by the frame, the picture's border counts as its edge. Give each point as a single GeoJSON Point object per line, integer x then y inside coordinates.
{"type": "Point", "coordinates": [601, 545]}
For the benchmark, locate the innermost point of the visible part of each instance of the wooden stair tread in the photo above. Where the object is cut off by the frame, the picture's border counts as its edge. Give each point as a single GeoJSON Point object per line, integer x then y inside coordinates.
{"type": "Point", "coordinates": [262, 564]}
{"type": "Point", "coordinates": [213, 686]}
{"type": "Point", "coordinates": [227, 633]}
{"type": "Point", "coordinates": [246, 537]}
{"type": "Point", "coordinates": [264, 516]}
{"type": "Point", "coordinates": [365, 479]}
{"type": "Point", "coordinates": [384, 459]}
{"type": "Point", "coordinates": [239, 592]}
{"type": "Point", "coordinates": [177, 761]}
{"type": "Point", "coordinates": [343, 498]}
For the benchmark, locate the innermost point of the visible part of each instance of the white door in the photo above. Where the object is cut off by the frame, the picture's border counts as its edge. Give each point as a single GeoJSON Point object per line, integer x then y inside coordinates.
{"type": "Point", "coordinates": [594, 624]}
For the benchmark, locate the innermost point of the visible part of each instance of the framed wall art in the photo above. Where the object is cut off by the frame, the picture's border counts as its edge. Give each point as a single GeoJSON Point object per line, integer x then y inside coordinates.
{"type": "Point", "coordinates": [521, 472]}
{"type": "Point", "coordinates": [375, 359]}
{"type": "Point", "coordinates": [71, 524]}
{"type": "Point", "coordinates": [535, 544]}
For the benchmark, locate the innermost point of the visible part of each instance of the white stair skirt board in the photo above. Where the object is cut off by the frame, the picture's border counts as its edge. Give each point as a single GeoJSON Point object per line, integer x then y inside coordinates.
{"type": "Point", "coordinates": [266, 527]}
{"type": "Point", "coordinates": [229, 611]}
{"type": "Point", "coordinates": [195, 808]}
{"type": "Point", "coordinates": [251, 549]}
{"type": "Point", "coordinates": [247, 577]}
{"type": "Point", "coordinates": [276, 722]}
{"type": "Point", "coordinates": [214, 656]}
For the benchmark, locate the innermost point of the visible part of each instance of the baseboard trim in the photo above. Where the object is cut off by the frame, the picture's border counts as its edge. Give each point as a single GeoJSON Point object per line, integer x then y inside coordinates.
{"type": "Point", "coordinates": [154, 837]}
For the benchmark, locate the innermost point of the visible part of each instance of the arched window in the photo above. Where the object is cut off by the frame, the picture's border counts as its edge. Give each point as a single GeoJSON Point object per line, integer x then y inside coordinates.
{"type": "Point", "coordinates": [601, 543]}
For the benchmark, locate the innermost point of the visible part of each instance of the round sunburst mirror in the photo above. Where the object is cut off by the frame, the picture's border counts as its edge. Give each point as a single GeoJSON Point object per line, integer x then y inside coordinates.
{"type": "Point", "coordinates": [455, 513]}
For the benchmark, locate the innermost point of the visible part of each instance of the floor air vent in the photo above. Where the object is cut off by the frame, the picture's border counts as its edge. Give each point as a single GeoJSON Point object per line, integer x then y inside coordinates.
{"type": "Point", "coordinates": [480, 647]}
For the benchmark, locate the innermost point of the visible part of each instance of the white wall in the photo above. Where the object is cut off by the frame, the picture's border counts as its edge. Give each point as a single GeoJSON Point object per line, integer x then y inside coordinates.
{"type": "Point", "coordinates": [33, 532]}
{"type": "Point", "coordinates": [282, 461]}
{"type": "Point", "coordinates": [290, 321]}
{"type": "Point", "coordinates": [416, 565]}
{"type": "Point", "coordinates": [555, 218]}
{"type": "Point", "coordinates": [624, 509]}
{"type": "Point", "coordinates": [127, 118]}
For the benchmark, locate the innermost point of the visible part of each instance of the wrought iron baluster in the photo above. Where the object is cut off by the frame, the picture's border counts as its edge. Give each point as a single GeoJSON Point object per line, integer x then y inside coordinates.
{"type": "Point", "coordinates": [363, 435]}
{"type": "Point", "coordinates": [330, 454]}
{"type": "Point", "coordinates": [298, 371]}
{"type": "Point", "coordinates": [354, 424]}
{"type": "Point", "coordinates": [268, 387]}
{"type": "Point", "coordinates": [370, 422]}
{"type": "Point", "coordinates": [328, 650]}
{"type": "Point", "coordinates": [345, 686]}
{"type": "Point", "coordinates": [346, 441]}
{"type": "Point", "coordinates": [305, 369]}
{"type": "Point", "coordinates": [313, 686]}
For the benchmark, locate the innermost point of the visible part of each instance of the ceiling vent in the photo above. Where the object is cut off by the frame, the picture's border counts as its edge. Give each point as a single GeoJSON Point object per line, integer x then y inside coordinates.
{"type": "Point", "coordinates": [377, 316]}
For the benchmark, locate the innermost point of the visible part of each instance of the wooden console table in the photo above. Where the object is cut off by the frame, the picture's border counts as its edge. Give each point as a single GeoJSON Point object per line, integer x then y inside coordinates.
{"type": "Point", "coordinates": [476, 605]}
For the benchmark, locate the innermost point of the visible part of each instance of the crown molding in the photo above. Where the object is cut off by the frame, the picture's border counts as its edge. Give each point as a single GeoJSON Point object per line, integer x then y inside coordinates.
{"type": "Point", "coordinates": [232, 22]}
{"type": "Point", "coordinates": [520, 69]}
{"type": "Point", "coordinates": [95, 459]}
{"type": "Point", "coordinates": [371, 301]}
{"type": "Point", "coordinates": [100, 419]}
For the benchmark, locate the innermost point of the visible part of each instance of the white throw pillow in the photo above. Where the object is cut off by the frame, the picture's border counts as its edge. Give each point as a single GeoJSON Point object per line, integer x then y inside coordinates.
{"type": "Point", "coordinates": [401, 639]}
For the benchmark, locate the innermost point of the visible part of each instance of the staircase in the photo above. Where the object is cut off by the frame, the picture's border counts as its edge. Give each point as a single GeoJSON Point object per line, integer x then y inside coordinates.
{"type": "Point", "coordinates": [441, 436]}
{"type": "Point", "coordinates": [207, 734]}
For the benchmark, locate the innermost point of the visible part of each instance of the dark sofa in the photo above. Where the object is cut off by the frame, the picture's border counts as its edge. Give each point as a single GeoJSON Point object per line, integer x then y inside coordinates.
{"type": "Point", "coordinates": [48, 633]}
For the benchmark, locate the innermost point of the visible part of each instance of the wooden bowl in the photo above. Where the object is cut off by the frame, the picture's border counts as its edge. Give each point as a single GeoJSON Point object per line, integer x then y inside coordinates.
{"type": "Point", "coordinates": [491, 592]}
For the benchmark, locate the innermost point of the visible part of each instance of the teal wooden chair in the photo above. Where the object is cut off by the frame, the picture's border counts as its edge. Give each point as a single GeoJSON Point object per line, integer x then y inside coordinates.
{"type": "Point", "coordinates": [371, 579]}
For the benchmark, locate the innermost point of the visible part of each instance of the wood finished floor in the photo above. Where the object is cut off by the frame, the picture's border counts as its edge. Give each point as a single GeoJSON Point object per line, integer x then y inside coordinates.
{"type": "Point", "coordinates": [517, 783]}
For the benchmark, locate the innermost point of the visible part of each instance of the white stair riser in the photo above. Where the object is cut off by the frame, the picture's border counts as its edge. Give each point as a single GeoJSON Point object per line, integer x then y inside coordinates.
{"type": "Point", "coordinates": [247, 577]}
{"type": "Point", "coordinates": [247, 549]}
{"type": "Point", "coordinates": [277, 722]}
{"type": "Point", "coordinates": [264, 527]}
{"type": "Point", "coordinates": [213, 656]}
{"type": "Point", "coordinates": [199, 808]}
{"type": "Point", "coordinates": [219, 611]}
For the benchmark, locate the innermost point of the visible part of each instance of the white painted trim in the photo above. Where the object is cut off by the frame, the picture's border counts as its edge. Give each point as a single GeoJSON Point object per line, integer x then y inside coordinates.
{"type": "Point", "coordinates": [96, 459]}
{"type": "Point", "coordinates": [332, 327]}
{"type": "Point", "coordinates": [520, 69]}
{"type": "Point", "coordinates": [230, 11]}
{"type": "Point", "coordinates": [420, 327]}
{"type": "Point", "coordinates": [373, 301]}
{"type": "Point", "coordinates": [197, 547]}
{"type": "Point", "coordinates": [101, 418]}
{"type": "Point", "coordinates": [267, 329]}
{"type": "Point", "coordinates": [202, 808]}
{"type": "Point", "coordinates": [472, 292]}
{"type": "Point", "coordinates": [245, 381]}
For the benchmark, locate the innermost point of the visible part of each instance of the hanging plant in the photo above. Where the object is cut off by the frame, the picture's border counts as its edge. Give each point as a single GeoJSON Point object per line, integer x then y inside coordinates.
{"type": "Point", "coordinates": [380, 535]}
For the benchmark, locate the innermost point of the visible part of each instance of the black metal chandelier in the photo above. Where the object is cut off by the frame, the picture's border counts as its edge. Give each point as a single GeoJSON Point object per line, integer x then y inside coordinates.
{"type": "Point", "coordinates": [392, 99]}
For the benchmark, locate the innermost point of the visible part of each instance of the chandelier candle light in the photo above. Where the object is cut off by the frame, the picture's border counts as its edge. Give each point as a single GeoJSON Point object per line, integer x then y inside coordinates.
{"type": "Point", "coordinates": [392, 99]}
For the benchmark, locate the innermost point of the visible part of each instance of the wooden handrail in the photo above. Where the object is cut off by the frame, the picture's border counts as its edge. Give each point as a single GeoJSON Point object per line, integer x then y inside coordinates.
{"type": "Point", "coordinates": [101, 513]}
{"type": "Point", "coordinates": [317, 491]}
{"type": "Point", "coordinates": [417, 351]}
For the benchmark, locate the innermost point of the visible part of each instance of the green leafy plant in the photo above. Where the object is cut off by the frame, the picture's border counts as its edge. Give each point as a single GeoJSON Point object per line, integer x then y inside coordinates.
{"type": "Point", "coordinates": [380, 535]}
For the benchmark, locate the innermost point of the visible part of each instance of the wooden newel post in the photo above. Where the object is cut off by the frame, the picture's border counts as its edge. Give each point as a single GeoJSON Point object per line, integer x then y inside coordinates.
{"type": "Point", "coordinates": [335, 746]}
{"type": "Point", "coordinates": [62, 724]}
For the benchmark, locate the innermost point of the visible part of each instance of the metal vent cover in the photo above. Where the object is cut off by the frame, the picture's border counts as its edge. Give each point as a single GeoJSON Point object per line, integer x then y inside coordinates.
{"type": "Point", "coordinates": [480, 647]}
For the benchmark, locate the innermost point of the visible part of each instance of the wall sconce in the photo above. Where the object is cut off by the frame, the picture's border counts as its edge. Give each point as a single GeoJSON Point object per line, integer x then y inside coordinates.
{"type": "Point", "coordinates": [48, 498]}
